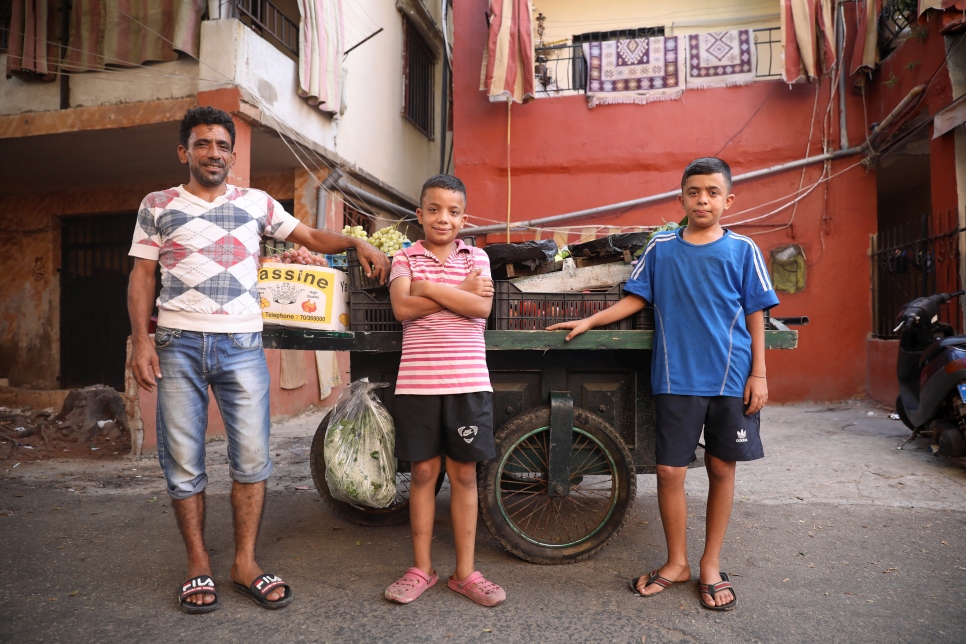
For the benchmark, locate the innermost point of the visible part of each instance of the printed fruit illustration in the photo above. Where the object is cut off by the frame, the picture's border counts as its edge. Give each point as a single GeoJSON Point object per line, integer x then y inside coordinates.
{"type": "Point", "coordinates": [264, 303]}
{"type": "Point", "coordinates": [344, 319]}
{"type": "Point", "coordinates": [309, 306]}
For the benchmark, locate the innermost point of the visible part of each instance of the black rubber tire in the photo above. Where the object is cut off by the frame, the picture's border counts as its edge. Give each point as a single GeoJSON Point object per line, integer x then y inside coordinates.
{"type": "Point", "coordinates": [395, 514]}
{"type": "Point", "coordinates": [529, 429]}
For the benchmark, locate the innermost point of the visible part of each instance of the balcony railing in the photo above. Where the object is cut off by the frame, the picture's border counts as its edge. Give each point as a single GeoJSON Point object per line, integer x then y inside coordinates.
{"type": "Point", "coordinates": [894, 24]}
{"type": "Point", "coordinates": [266, 19]}
{"type": "Point", "coordinates": [561, 69]}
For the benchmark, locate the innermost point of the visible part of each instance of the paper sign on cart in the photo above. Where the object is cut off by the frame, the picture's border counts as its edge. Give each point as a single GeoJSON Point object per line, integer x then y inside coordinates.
{"type": "Point", "coordinates": [304, 297]}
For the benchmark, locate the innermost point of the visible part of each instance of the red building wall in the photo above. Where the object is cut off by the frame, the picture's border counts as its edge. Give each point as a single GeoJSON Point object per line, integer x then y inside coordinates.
{"type": "Point", "coordinates": [564, 157]}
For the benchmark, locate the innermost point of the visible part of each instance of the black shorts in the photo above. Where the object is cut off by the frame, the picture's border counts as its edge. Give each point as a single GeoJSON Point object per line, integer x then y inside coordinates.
{"type": "Point", "coordinates": [458, 425]}
{"type": "Point", "coordinates": [728, 433]}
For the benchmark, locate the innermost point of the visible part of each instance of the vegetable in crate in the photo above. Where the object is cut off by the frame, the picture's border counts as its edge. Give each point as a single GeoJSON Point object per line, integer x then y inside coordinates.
{"type": "Point", "coordinates": [666, 227]}
{"type": "Point", "coordinates": [359, 464]}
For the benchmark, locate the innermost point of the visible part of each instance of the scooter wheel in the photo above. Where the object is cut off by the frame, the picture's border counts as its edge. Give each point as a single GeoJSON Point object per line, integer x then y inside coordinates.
{"type": "Point", "coordinates": [952, 443]}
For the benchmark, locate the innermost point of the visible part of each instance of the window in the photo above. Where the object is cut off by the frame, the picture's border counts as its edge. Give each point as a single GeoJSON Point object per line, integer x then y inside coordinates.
{"type": "Point", "coordinates": [6, 8]}
{"type": "Point", "coordinates": [419, 70]}
{"type": "Point", "coordinates": [355, 217]}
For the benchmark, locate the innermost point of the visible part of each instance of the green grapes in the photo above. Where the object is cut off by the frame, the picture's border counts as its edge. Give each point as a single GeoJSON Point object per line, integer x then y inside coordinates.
{"type": "Point", "coordinates": [388, 240]}
{"type": "Point", "coordinates": [355, 231]}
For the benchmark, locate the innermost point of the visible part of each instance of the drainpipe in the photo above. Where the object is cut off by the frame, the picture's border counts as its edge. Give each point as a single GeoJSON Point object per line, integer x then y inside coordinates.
{"type": "Point", "coordinates": [336, 181]}
{"type": "Point", "coordinates": [843, 125]}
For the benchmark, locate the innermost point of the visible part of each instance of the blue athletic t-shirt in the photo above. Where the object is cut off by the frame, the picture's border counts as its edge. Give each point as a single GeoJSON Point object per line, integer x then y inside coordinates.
{"type": "Point", "coordinates": [701, 295]}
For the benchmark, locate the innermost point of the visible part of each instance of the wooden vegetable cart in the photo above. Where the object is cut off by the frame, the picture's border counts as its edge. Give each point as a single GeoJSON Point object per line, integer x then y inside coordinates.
{"type": "Point", "coordinates": [574, 424]}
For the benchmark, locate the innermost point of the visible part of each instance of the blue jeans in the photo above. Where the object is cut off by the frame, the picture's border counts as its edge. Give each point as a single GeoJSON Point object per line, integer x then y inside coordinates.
{"type": "Point", "coordinates": [233, 365]}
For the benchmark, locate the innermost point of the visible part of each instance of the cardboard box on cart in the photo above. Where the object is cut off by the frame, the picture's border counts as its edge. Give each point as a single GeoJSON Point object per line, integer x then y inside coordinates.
{"type": "Point", "coordinates": [303, 297]}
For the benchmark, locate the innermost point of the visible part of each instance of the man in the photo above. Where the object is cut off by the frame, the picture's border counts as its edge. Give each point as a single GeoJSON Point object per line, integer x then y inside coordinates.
{"type": "Point", "coordinates": [206, 237]}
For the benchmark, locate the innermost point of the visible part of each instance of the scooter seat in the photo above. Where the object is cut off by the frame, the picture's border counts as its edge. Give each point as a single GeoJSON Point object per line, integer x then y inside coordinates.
{"type": "Point", "coordinates": [936, 348]}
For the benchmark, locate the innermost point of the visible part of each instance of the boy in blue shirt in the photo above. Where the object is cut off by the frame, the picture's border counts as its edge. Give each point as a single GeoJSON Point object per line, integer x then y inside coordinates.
{"type": "Point", "coordinates": [710, 288]}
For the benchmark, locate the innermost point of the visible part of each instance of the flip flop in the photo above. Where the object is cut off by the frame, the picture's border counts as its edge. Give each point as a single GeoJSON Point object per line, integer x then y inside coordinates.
{"type": "Point", "coordinates": [711, 589]}
{"type": "Point", "coordinates": [653, 578]}
{"type": "Point", "coordinates": [200, 585]}
{"type": "Point", "coordinates": [262, 587]}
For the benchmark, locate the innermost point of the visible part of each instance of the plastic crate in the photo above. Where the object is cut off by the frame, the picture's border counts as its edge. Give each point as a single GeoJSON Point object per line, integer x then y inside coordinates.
{"type": "Point", "coordinates": [337, 261]}
{"type": "Point", "coordinates": [514, 310]}
{"type": "Point", "coordinates": [358, 282]}
{"type": "Point", "coordinates": [643, 320]}
{"type": "Point", "coordinates": [370, 312]}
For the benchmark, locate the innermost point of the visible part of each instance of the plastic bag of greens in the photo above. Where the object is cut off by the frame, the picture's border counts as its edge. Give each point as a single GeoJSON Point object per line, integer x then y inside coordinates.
{"type": "Point", "coordinates": [359, 464]}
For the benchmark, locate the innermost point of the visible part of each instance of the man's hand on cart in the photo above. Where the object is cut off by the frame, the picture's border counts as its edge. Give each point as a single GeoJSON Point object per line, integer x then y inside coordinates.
{"type": "Point", "coordinates": [577, 327]}
{"type": "Point", "coordinates": [374, 261]}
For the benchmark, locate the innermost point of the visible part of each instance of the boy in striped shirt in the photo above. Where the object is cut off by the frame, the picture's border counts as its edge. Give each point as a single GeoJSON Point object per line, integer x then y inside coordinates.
{"type": "Point", "coordinates": [710, 288]}
{"type": "Point", "coordinates": [442, 292]}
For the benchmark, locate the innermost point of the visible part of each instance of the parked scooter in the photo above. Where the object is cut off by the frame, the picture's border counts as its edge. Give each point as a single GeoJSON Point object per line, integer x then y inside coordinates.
{"type": "Point", "coordinates": [932, 375]}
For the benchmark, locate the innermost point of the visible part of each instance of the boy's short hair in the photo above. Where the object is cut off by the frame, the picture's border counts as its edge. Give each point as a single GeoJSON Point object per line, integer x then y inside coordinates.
{"type": "Point", "coordinates": [444, 181]}
{"type": "Point", "coordinates": [205, 115]}
{"type": "Point", "coordinates": [707, 165]}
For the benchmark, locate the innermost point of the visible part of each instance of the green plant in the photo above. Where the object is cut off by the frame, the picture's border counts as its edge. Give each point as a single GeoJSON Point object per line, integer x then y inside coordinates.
{"type": "Point", "coordinates": [891, 82]}
{"type": "Point", "coordinates": [911, 65]}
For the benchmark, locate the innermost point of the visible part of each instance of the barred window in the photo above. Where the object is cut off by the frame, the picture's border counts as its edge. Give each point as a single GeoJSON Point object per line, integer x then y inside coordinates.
{"type": "Point", "coordinates": [6, 9]}
{"type": "Point", "coordinates": [419, 64]}
{"type": "Point", "coordinates": [354, 217]}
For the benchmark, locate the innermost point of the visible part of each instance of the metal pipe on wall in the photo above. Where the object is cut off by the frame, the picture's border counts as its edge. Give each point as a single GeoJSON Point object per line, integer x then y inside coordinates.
{"type": "Point", "coordinates": [840, 41]}
{"type": "Point", "coordinates": [821, 158]}
{"type": "Point", "coordinates": [335, 181]}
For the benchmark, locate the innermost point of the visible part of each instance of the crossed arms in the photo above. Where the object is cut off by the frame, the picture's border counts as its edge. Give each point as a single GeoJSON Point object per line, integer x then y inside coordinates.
{"type": "Point", "coordinates": [411, 299]}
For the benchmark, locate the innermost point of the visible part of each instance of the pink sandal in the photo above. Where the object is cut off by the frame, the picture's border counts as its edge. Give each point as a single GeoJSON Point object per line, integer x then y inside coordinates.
{"type": "Point", "coordinates": [483, 592]}
{"type": "Point", "coordinates": [410, 586]}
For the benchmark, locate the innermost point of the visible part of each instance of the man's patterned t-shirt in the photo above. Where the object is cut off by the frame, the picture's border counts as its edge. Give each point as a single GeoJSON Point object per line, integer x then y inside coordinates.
{"type": "Point", "coordinates": [208, 253]}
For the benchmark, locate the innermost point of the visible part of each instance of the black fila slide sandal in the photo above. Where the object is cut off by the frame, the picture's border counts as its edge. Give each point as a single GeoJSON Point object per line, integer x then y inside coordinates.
{"type": "Point", "coordinates": [200, 585]}
{"type": "Point", "coordinates": [262, 587]}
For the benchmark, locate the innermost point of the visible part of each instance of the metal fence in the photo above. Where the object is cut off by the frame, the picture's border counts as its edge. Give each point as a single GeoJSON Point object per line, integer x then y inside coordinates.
{"type": "Point", "coordinates": [266, 19]}
{"type": "Point", "coordinates": [561, 70]}
{"type": "Point", "coordinates": [916, 259]}
{"type": "Point", "coordinates": [894, 19]}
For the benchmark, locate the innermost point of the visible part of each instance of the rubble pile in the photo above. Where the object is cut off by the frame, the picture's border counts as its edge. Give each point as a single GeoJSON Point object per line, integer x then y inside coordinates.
{"type": "Point", "coordinates": [91, 420]}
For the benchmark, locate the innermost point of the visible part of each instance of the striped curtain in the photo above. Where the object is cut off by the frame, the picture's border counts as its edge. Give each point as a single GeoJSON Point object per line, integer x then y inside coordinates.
{"type": "Point", "coordinates": [321, 49]}
{"type": "Point", "coordinates": [131, 32]}
{"type": "Point", "coordinates": [508, 58]}
{"type": "Point", "coordinates": [865, 56]}
{"type": "Point", "coordinates": [32, 48]}
{"type": "Point", "coordinates": [808, 36]}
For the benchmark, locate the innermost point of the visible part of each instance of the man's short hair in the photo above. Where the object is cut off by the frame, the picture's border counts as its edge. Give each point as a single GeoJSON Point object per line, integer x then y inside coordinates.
{"type": "Point", "coordinates": [206, 116]}
{"type": "Point", "coordinates": [707, 165]}
{"type": "Point", "coordinates": [444, 181]}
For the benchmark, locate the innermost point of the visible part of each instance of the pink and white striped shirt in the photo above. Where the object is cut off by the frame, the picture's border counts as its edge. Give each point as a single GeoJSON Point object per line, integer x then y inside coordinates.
{"type": "Point", "coordinates": [444, 352]}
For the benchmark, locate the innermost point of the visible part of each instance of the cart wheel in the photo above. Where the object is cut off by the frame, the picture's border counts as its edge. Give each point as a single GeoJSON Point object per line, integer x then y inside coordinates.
{"type": "Point", "coordinates": [395, 514]}
{"type": "Point", "coordinates": [515, 503]}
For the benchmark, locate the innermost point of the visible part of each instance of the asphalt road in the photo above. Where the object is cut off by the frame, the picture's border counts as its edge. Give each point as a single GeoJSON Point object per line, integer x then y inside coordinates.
{"type": "Point", "coordinates": [835, 537]}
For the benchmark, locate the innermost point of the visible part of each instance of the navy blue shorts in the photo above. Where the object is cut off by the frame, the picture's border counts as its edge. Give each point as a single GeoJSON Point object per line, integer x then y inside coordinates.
{"type": "Point", "coordinates": [728, 433]}
{"type": "Point", "coordinates": [458, 425]}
